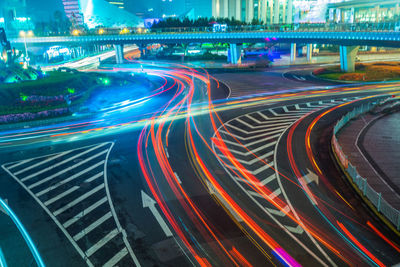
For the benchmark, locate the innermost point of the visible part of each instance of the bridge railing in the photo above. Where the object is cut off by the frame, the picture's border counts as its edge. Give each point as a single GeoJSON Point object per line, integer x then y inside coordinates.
{"type": "Point", "coordinates": [311, 27]}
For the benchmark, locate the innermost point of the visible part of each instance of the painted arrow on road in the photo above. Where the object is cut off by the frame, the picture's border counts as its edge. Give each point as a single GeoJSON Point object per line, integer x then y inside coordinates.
{"type": "Point", "coordinates": [311, 177]}
{"type": "Point", "coordinates": [150, 203]}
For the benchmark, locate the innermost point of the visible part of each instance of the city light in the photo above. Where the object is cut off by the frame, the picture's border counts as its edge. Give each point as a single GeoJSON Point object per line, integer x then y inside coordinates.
{"type": "Point", "coordinates": [124, 31]}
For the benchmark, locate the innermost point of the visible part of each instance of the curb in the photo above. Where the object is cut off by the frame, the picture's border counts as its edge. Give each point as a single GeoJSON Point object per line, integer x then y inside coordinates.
{"type": "Point", "coordinates": [352, 82]}
{"type": "Point", "coordinates": [365, 200]}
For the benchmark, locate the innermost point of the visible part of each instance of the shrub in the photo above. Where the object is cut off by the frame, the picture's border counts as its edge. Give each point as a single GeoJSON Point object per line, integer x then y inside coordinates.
{"type": "Point", "coordinates": [319, 71]}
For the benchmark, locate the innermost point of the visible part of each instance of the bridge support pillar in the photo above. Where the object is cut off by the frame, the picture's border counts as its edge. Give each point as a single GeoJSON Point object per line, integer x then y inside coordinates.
{"type": "Point", "coordinates": [293, 51]}
{"type": "Point", "coordinates": [235, 51]}
{"type": "Point", "coordinates": [348, 58]}
{"type": "Point", "coordinates": [309, 52]}
{"type": "Point", "coordinates": [119, 53]}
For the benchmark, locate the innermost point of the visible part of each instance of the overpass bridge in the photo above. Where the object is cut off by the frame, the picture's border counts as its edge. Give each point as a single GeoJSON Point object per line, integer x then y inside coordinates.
{"type": "Point", "coordinates": [349, 41]}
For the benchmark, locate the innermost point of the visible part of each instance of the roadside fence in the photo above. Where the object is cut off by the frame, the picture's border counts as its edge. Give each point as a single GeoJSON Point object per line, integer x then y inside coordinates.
{"type": "Point", "coordinates": [382, 206]}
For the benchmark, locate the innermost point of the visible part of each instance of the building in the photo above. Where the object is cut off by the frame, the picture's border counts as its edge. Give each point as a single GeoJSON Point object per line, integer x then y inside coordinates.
{"type": "Point", "coordinates": [72, 10]}
{"type": "Point", "coordinates": [306, 11]}
{"type": "Point", "coordinates": [118, 3]}
{"type": "Point", "coordinates": [358, 11]}
{"type": "Point", "coordinates": [267, 11]}
{"type": "Point", "coordinates": [99, 13]}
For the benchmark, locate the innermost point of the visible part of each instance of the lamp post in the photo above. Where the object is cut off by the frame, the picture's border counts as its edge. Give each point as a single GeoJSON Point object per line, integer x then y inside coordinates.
{"type": "Point", "coordinates": [25, 34]}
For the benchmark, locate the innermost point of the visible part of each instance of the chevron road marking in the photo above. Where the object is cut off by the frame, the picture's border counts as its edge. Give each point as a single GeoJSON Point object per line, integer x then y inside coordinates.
{"type": "Point", "coordinates": [296, 230]}
{"type": "Point", "coordinates": [280, 213]}
{"type": "Point", "coordinates": [259, 170]}
{"type": "Point", "coordinates": [248, 153]}
{"type": "Point", "coordinates": [268, 179]}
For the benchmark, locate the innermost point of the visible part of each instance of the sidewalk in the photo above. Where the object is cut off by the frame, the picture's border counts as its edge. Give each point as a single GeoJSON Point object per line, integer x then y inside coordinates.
{"type": "Point", "coordinates": [372, 144]}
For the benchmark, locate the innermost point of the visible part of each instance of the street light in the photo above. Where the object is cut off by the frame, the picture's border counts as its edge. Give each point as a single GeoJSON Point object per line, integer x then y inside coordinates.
{"type": "Point", "coordinates": [124, 31]}
{"type": "Point", "coordinates": [26, 34]}
{"type": "Point", "coordinates": [75, 32]}
{"type": "Point", "coordinates": [101, 31]}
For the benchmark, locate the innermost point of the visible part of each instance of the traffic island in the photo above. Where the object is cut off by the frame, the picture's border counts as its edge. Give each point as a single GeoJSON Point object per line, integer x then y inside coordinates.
{"type": "Point", "coordinates": [365, 72]}
{"type": "Point", "coordinates": [55, 95]}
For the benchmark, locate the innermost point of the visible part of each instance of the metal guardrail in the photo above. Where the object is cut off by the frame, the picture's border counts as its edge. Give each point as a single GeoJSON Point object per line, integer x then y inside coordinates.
{"type": "Point", "coordinates": [391, 213]}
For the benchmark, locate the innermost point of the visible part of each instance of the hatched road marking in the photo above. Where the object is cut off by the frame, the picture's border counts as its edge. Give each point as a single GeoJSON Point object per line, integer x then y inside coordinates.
{"type": "Point", "coordinates": [71, 186]}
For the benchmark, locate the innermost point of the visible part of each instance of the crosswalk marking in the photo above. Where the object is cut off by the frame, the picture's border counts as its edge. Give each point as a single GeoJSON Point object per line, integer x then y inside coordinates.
{"type": "Point", "coordinates": [79, 199]}
{"type": "Point", "coordinates": [69, 191]}
{"type": "Point", "coordinates": [51, 177]}
{"type": "Point", "coordinates": [40, 163]}
{"type": "Point", "coordinates": [19, 164]}
{"type": "Point", "coordinates": [71, 201]}
{"type": "Point", "coordinates": [117, 258]}
{"type": "Point", "coordinates": [101, 242]}
{"type": "Point", "coordinates": [93, 226]}
{"type": "Point", "coordinates": [61, 163]}
{"type": "Point", "coordinates": [84, 212]}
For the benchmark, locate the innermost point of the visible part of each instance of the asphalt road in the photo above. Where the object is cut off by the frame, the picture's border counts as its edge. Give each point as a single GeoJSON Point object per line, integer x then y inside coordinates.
{"type": "Point", "coordinates": [86, 196]}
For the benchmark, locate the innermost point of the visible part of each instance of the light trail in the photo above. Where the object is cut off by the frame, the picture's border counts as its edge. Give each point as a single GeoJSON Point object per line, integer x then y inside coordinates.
{"type": "Point", "coordinates": [189, 102]}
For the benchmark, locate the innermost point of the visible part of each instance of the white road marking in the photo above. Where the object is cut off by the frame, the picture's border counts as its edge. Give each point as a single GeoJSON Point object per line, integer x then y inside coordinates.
{"type": "Point", "coordinates": [253, 131]}
{"type": "Point", "coordinates": [93, 226]}
{"type": "Point", "coordinates": [101, 242]}
{"type": "Point", "coordinates": [254, 160]}
{"type": "Point", "coordinates": [68, 169]}
{"type": "Point", "coordinates": [269, 127]}
{"type": "Point", "coordinates": [259, 170]}
{"type": "Point", "coordinates": [287, 118]}
{"type": "Point", "coordinates": [85, 212]}
{"type": "Point", "coordinates": [271, 196]}
{"type": "Point", "coordinates": [177, 177]}
{"type": "Point", "coordinates": [79, 199]}
{"type": "Point", "coordinates": [296, 230]}
{"type": "Point", "coordinates": [62, 162]}
{"type": "Point", "coordinates": [69, 191]}
{"type": "Point", "coordinates": [280, 213]}
{"type": "Point", "coordinates": [117, 257]}
{"type": "Point", "coordinates": [248, 153]}
{"type": "Point", "coordinates": [41, 163]}
{"type": "Point", "coordinates": [268, 122]}
{"type": "Point", "coordinates": [19, 163]}
{"type": "Point", "coordinates": [150, 203]}
{"type": "Point", "coordinates": [251, 143]}
{"type": "Point", "coordinates": [268, 179]}
{"type": "Point", "coordinates": [264, 135]}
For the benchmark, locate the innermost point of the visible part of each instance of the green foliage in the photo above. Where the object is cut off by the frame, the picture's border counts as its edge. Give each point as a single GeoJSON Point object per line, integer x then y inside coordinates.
{"type": "Point", "coordinates": [200, 22]}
